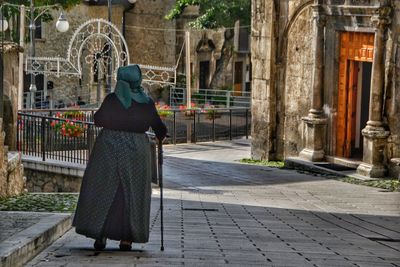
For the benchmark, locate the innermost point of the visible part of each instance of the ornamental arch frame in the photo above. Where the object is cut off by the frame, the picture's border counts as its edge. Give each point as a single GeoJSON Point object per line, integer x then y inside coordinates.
{"type": "Point", "coordinates": [71, 64]}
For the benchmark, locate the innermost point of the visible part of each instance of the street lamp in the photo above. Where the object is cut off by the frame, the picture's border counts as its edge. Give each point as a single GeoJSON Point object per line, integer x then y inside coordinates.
{"type": "Point", "coordinates": [62, 25]}
{"type": "Point", "coordinates": [3, 23]}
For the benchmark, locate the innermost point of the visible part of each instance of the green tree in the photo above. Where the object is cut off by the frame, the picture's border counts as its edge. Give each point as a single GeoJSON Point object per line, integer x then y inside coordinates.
{"type": "Point", "coordinates": [214, 13]}
{"type": "Point", "coordinates": [63, 3]}
{"type": "Point", "coordinates": [12, 13]}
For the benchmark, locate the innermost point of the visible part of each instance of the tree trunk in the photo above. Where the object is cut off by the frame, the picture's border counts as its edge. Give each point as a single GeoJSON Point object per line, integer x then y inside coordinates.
{"type": "Point", "coordinates": [222, 68]}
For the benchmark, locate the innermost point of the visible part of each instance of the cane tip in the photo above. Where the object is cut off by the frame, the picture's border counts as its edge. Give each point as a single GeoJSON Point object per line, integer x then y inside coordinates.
{"type": "Point", "coordinates": [162, 248]}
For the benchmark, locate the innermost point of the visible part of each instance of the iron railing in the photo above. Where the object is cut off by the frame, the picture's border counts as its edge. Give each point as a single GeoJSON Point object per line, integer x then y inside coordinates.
{"type": "Point", "coordinates": [220, 98]}
{"type": "Point", "coordinates": [40, 132]}
{"type": "Point", "coordinates": [38, 136]}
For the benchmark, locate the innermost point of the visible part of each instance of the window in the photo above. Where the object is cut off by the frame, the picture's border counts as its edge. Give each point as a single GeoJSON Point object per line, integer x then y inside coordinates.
{"type": "Point", "coordinates": [39, 29]}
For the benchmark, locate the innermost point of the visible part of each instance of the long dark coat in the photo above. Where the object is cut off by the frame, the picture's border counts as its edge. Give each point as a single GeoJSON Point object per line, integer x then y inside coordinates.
{"type": "Point", "coordinates": [118, 158]}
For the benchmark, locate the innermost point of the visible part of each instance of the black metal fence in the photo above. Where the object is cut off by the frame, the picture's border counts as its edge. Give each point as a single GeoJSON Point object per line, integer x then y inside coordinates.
{"type": "Point", "coordinates": [69, 135]}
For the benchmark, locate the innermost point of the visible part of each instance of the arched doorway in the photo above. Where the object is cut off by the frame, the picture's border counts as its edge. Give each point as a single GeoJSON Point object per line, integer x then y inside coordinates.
{"type": "Point", "coordinates": [355, 66]}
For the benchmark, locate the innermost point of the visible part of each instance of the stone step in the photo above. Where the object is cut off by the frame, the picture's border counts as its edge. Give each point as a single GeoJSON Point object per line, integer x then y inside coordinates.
{"type": "Point", "coordinates": [18, 249]}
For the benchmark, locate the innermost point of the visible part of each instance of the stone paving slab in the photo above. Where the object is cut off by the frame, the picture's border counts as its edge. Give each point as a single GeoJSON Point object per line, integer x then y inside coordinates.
{"type": "Point", "coordinates": [25, 234]}
{"type": "Point", "coordinates": [12, 223]}
{"type": "Point", "coordinates": [259, 216]}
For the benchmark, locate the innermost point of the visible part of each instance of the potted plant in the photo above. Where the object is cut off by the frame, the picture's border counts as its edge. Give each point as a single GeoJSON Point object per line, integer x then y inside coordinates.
{"type": "Point", "coordinates": [164, 111]}
{"type": "Point", "coordinates": [211, 112]}
{"type": "Point", "coordinates": [189, 113]}
{"type": "Point", "coordinates": [63, 127]}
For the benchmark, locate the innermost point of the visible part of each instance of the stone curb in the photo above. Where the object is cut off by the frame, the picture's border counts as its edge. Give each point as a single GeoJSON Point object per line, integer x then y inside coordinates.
{"type": "Point", "coordinates": [300, 164]}
{"type": "Point", "coordinates": [22, 247]}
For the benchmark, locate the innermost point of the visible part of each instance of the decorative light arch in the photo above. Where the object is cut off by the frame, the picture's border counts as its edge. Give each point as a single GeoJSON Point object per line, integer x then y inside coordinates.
{"type": "Point", "coordinates": [99, 35]}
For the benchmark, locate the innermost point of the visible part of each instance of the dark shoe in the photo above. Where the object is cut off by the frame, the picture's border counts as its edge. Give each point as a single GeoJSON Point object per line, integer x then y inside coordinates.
{"type": "Point", "coordinates": [125, 247]}
{"type": "Point", "coordinates": [100, 244]}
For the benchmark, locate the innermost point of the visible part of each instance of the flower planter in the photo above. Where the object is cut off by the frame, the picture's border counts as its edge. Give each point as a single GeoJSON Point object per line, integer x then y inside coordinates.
{"type": "Point", "coordinates": [213, 116]}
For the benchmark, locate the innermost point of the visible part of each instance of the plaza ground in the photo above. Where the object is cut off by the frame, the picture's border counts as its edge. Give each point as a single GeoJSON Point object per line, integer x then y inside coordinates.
{"type": "Point", "coordinates": [221, 212]}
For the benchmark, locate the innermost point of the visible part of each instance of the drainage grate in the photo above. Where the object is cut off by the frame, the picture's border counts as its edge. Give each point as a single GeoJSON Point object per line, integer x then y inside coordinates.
{"type": "Point", "coordinates": [335, 167]}
{"type": "Point", "coordinates": [194, 209]}
{"type": "Point", "coordinates": [383, 239]}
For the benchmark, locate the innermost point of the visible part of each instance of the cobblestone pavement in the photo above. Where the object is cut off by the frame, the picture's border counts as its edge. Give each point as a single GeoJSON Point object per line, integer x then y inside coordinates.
{"type": "Point", "coordinates": [220, 212]}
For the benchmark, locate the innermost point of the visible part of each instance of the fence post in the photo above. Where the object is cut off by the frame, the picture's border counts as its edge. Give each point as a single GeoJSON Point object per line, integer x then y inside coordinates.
{"type": "Point", "coordinates": [90, 141]}
{"type": "Point", "coordinates": [43, 138]}
{"type": "Point", "coordinates": [194, 126]}
{"type": "Point", "coordinates": [19, 127]}
{"type": "Point", "coordinates": [247, 123]}
{"type": "Point", "coordinates": [228, 99]}
{"type": "Point", "coordinates": [213, 125]}
{"type": "Point", "coordinates": [174, 129]}
{"type": "Point", "coordinates": [230, 124]}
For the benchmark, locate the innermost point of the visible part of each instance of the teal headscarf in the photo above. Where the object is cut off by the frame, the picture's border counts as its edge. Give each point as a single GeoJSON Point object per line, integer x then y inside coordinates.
{"type": "Point", "coordinates": [128, 87]}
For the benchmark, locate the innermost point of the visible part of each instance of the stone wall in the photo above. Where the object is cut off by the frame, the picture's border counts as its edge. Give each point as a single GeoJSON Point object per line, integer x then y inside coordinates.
{"type": "Point", "coordinates": [12, 182]}
{"type": "Point", "coordinates": [151, 39]}
{"type": "Point", "coordinates": [392, 106]}
{"type": "Point", "coordinates": [263, 93]}
{"type": "Point", "coordinates": [282, 60]}
{"type": "Point", "coordinates": [44, 181]}
{"type": "Point", "coordinates": [10, 87]}
{"type": "Point", "coordinates": [151, 46]}
{"type": "Point", "coordinates": [3, 164]}
{"type": "Point", "coordinates": [55, 44]}
{"type": "Point", "coordinates": [297, 93]}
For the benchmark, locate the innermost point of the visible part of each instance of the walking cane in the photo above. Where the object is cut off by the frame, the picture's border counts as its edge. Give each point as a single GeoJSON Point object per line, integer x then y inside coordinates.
{"type": "Point", "coordinates": [160, 182]}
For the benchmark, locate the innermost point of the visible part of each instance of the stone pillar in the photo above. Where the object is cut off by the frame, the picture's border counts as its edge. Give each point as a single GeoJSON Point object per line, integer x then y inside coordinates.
{"type": "Point", "coordinates": [315, 121]}
{"type": "Point", "coordinates": [374, 133]}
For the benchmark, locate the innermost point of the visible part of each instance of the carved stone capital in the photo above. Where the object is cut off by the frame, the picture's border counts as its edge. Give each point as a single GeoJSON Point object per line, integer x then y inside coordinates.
{"type": "Point", "coordinates": [383, 17]}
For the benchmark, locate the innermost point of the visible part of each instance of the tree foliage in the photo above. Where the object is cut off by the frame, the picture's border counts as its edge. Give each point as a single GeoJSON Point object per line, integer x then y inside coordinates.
{"type": "Point", "coordinates": [214, 13]}
{"type": "Point", "coordinates": [63, 3]}
{"type": "Point", "coordinates": [12, 12]}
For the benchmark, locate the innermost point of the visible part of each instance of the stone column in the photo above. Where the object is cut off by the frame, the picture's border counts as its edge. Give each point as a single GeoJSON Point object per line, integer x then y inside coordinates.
{"type": "Point", "coordinates": [374, 133]}
{"type": "Point", "coordinates": [315, 121]}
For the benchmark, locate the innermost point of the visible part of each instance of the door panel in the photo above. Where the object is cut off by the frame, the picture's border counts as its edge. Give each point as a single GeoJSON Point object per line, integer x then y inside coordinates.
{"type": "Point", "coordinates": [238, 78]}
{"type": "Point", "coordinates": [351, 107]}
{"type": "Point", "coordinates": [354, 47]}
{"type": "Point", "coordinates": [204, 74]}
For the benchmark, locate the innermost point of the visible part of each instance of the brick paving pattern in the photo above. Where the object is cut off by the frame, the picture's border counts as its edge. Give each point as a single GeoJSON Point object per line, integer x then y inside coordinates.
{"type": "Point", "coordinates": [219, 212]}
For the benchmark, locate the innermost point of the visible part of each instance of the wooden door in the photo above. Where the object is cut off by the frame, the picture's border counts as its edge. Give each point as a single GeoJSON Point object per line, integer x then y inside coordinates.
{"type": "Point", "coordinates": [204, 74]}
{"type": "Point", "coordinates": [351, 108]}
{"type": "Point", "coordinates": [354, 47]}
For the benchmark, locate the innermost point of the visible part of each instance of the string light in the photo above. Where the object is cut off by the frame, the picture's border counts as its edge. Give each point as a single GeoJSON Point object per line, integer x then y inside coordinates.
{"type": "Point", "coordinates": [183, 30]}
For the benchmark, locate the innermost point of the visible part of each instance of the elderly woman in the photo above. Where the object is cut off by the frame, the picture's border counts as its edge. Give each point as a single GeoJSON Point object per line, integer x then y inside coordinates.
{"type": "Point", "coordinates": [115, 196]}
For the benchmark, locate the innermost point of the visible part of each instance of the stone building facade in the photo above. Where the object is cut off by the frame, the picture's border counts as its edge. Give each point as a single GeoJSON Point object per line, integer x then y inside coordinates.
{"type": "Point", "coordinates": [10, 91]}
{"type": "Point", "coordinates": [326, 83]}
{"type": "Point", "coordinates": [151, 39]}
{"type": "Point", "coordinates": [12, 182]}
{"type": "Point", "coordinates": [55, 44]}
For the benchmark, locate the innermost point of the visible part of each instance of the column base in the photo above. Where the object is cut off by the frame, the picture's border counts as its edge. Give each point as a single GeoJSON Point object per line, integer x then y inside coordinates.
{"type": "Point", "coordinates": [312, 155]}
{"type": "Point", "coordinates": [372, 171]}
{"type": "Point", "coordinates": [315, 136]}
{"type": "Point", "coordinates": [375, 138]}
